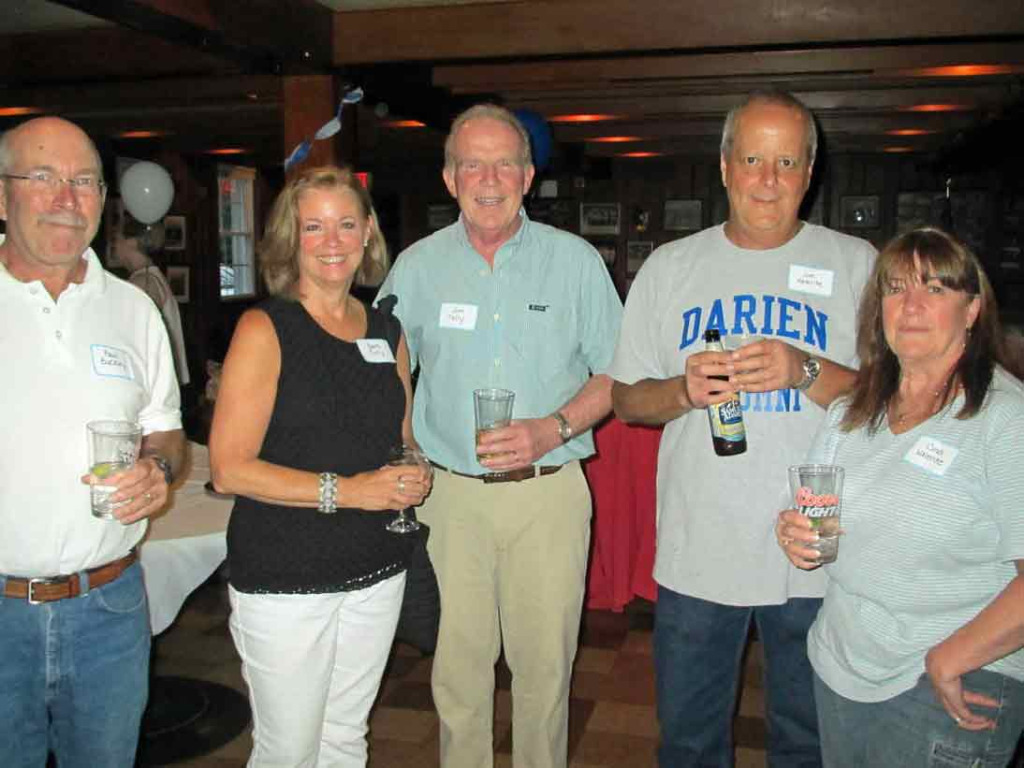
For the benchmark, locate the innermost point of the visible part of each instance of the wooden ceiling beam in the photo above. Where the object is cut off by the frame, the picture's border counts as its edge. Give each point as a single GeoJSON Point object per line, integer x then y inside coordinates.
{"type": "Point", "coordinates": [653, 105]}
{"type": "Point", "coordinates": [575, 27]}
{"type": "Point", "coordinates": [262, 35]}
{"type": "Point", "coordinates": [862, 61]}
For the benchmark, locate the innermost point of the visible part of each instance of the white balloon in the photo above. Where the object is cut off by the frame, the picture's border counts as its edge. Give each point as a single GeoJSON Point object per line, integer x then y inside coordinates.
{"type": "Point", "coordinates": [147, 191]}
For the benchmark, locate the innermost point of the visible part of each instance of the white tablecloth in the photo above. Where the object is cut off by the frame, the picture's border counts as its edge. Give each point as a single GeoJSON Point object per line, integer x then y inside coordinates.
{"type": "Point", "coordinates": [186, 543]}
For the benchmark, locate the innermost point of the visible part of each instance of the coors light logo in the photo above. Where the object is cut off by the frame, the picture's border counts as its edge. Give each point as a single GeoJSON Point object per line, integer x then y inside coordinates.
{"type": "Point", "coordinates": [825, 505]}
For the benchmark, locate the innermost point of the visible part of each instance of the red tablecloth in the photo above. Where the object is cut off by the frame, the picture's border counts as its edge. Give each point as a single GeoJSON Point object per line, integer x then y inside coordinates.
{"type": "Point", "coordinates": [623, 483]}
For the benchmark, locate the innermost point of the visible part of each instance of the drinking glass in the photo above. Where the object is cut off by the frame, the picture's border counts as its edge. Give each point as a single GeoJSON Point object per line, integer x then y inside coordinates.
{"type": "Point", "coordinates": [818, 492]}
{"type": "Point", "coordinates": [406, 456]}
{"type": "Point", "coordinates": [492, 409]}
{"type": "Point", "coordinates": [113, 447]}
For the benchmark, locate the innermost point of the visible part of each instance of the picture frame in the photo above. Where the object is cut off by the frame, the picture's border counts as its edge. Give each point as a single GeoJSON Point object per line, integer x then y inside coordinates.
{"type": "Point", "coordinates": [599, 218]}
{"type": "Point", "coordinates": [440, 215]}
{"type": "Point", "coordinates": [683, 215]}
{"type": "Point", "coordinates": [859, 212]}
{"type": "Point", "coordinates": [637, 252]}
{"type": "Point", "coordinates": [178, 280]}
{"type": "Point", "coordinates": [113, 216]}
{"type": "Point", "coordinates": [175, 238]}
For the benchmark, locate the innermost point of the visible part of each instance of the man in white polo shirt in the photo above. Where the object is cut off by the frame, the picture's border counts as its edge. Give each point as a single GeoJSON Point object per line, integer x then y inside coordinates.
{"type": "Point", "coordinates": [78, 344]}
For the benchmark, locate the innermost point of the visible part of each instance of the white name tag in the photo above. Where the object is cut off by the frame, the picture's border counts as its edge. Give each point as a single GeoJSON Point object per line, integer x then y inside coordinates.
{"type": "Point", "coordinates": [112, 362]}
{"type": "Point", "coordinates": [375, 350]}
{"type": "Point", "coordinates": [932, 455]}
{"type": "Point", "coordinates": [461, 316]}
{"type": "Point", "coordinates": [810, 280]}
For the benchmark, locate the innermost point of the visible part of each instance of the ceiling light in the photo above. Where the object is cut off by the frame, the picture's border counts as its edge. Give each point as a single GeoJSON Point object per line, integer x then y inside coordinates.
{"type": "Point", "coordinates": [18, 111]}
{"type": "Point", "coordinates": [938, 108]}
{"type": "Point", "coordinates": [896, 150]}
{"type": "Point", "coordinates": [227, 151]}
{"type": "Point", "coordinates": [140, 134]}
{"type": "Point", "coordinates": [964, 70]}
{"type": "Point", "coordinates": [639, 154]}
{"type": "Point", "coordinates": [581, 118]}
{"type": "Point", "coordinates": [909, 132]}
{"type": "Point", "coordinates": [613, 139]}
{"type": "Point", "coordinates": [403, 124]}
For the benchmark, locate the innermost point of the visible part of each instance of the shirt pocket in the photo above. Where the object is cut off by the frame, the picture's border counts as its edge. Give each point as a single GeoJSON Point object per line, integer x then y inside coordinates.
{"type": "Point", "coordinates": [550, 338]}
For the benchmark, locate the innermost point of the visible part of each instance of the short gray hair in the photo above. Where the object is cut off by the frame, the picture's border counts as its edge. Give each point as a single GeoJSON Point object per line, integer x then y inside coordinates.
{"type": "Point", "coordinates": [5, 151]}
{"type": "Point", "coordinates": [492, 112]}
{"type": "Point", "coordinates": [779, 98]}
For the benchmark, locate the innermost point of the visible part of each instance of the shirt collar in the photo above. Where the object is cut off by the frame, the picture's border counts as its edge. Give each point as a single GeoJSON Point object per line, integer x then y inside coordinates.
{"type": "Point", "coordinates": [507, 249]}
{"type": "Point", "coordinates": [95, 280]}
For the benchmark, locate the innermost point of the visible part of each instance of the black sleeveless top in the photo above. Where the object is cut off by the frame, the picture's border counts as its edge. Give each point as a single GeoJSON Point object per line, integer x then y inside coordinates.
{"type": "Point", "coordinates": [334, 412]}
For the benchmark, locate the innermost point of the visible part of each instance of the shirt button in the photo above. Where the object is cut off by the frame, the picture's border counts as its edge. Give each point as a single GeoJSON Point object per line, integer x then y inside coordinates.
{"type": "Point", "coordinates": [483, 273]}
{"type": "Point", "coordinates": [60, 335]}
{"type": "Point", "coordinates": [497, 317]}
{"type": "Point", "coordinates": [46, 310]}
{"type": "Point", "coordinates": [497, 361]}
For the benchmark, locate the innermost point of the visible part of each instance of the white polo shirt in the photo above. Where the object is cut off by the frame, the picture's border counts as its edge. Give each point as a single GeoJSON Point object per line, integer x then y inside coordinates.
{"type": "Point", "coordinates": [100, 351]}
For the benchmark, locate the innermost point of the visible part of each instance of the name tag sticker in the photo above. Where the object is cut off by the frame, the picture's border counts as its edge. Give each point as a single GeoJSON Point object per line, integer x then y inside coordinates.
{"type": "Point", "coordinates": [111, 362]}
{"type": "Point", "coordinates": [931, 455]}
{"type": "Point", "coordinates": [375, 350]}
{"type": "Point", "coordinates": [811, 280]}
{"type": "Point", "coordinates": [461, 316]}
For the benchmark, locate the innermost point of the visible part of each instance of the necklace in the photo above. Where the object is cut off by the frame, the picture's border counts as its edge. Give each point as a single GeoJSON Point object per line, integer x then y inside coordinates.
{"type": "Point", "coordinates": [933, 406]}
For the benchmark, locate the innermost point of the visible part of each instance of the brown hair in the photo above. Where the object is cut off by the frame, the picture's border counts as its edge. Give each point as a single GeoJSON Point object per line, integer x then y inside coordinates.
{"type": "Point", "coordinates": [279, 249]}
{"type": "Point", "coordinates": [944, 258]}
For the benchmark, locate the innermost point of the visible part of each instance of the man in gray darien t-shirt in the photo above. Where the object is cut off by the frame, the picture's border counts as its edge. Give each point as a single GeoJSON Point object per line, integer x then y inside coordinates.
{"type": "Point", "coordinates": [763, 273]}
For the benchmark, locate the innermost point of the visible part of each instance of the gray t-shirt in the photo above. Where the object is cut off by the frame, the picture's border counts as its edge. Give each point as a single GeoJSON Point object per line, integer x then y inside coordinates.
{"type": "Point", "coordinates": [716, 514]}
{"type": "Point", "coordinates": [933, 519]}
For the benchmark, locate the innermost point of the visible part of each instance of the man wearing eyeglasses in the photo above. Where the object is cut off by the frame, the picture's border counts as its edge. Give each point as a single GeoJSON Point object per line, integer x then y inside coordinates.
{"type": "Point", "coordinates": [77, 344]}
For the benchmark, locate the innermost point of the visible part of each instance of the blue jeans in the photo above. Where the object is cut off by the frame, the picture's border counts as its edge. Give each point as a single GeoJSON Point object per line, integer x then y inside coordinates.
{"type": "Point", "coordinates": [913, 729]}
{"type": "Point", "coordinates": [74, 676]}
{"type": "Point", "coordinates": [698, 646]}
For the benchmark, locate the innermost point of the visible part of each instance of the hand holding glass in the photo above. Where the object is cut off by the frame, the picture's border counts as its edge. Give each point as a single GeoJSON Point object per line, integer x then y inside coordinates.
{"type": "Point", "coordinates": [113, 447]}
{"type": "Point", "coordinates": [818, 491]}
{"type": "Point", "coordinates": [407, 456]}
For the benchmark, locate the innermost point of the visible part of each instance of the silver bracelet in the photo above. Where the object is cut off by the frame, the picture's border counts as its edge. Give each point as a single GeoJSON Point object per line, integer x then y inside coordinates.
{"type": "Point", "coordinates": [328, 493]}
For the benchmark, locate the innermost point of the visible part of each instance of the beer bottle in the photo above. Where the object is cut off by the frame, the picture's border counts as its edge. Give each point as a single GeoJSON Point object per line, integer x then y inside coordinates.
{"type": "Point", "coordinates": [728, 435]}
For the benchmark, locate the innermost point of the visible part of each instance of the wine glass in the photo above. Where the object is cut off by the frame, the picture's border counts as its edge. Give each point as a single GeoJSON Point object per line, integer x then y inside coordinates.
{"type": "Point", "coordinates": [406, 456]}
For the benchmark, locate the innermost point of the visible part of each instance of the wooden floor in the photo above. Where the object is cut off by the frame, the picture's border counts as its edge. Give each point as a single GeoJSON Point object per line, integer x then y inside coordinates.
{"type": "Point", "coordinates": [612, 720]}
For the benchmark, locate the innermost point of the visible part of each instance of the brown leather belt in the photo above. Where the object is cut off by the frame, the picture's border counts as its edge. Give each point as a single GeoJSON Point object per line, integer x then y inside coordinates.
{"type": "Point", "coordinates": [61, 587]}
{"type": "Point", "coordinates": [508, 476]}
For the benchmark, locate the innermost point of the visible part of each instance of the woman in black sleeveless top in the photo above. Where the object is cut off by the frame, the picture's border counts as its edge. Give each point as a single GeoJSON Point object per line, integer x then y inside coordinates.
{"type": "Point", "coordinates": [312, 399]}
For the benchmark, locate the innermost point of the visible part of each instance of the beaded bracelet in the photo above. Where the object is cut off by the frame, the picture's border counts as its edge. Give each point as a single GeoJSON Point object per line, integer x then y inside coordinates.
{"type": "Point", "coordinates": [328, 493]}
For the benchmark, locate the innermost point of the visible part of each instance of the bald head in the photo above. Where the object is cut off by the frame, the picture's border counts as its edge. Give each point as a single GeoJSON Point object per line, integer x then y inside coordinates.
{"type": "Point", "coordinates": [53, 129]}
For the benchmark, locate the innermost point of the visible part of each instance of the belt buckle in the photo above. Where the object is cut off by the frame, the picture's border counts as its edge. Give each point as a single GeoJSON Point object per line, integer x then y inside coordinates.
{"type": "Point", "coordinates": [33, 582]}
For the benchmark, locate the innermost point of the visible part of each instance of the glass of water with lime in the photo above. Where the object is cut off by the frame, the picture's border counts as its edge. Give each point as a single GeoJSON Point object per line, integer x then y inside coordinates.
{"type": "Point", "coordinates": [113, 447]}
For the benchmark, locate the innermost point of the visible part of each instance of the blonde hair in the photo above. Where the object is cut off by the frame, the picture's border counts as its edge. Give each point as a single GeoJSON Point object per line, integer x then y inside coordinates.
{"type": "Point", "coordinates": [278, 251]}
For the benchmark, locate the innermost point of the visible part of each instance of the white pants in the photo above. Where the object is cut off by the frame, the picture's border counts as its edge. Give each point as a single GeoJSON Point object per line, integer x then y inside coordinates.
{"type": "Point", "coordinates": [314, 664]}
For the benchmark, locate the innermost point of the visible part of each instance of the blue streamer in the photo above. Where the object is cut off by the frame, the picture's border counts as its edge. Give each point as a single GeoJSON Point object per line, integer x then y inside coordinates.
{"type": "Point", "coordinates": [331, 128]}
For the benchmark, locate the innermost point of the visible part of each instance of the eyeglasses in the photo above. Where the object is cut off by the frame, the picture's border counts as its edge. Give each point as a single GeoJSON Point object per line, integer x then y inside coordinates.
{"type": "Point", "coordinates": [49, 182]}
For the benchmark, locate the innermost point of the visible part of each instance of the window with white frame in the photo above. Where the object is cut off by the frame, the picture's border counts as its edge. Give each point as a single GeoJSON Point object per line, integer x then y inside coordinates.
{"type": "Point", "coordinates": [237, 229]}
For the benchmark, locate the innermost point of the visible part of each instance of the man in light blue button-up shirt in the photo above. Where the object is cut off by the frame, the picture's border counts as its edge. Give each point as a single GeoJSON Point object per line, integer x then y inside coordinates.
{"type": "Point", "coordinates": [496, 300]}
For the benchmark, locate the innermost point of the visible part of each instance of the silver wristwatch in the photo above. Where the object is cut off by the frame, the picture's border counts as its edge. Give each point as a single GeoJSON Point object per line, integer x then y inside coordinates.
{"type": "Point", "coordinates": [165, 466]}
{"type": "Point", "coordinates": [812, 369]}
{"type": "Point", "coordinates": [564, 427]}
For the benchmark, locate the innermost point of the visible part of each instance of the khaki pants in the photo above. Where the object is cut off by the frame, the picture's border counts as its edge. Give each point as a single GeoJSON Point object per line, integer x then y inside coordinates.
{"type": "Point", "coordinates": [511, 563]}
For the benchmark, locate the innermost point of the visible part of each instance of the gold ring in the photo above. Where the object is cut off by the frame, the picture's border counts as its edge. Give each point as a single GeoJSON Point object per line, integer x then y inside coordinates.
{"type": "Point", "coordinates": [401, 486]}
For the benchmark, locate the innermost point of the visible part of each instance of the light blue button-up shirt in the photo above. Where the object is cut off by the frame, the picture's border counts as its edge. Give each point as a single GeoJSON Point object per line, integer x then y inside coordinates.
{"type": "Point", "coordinates": [540, 323]}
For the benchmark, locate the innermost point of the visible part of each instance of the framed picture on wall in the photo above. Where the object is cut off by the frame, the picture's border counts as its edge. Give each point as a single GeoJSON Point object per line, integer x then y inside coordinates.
{"type": "Point", "coordinates": [599, 218]}
{"type": "Point", "coordinates": [682, 215]}
{"type": "Point", "coordinates": [177, 278]}
{"type": "Point", "coordinates": [637, 252]}
{"type": "Point", "coordinates": [174, 233]}
{"type": "Point", "coordinates": [440, 215]}
{"type": "Point", "coordinates": [859, 212]}
{"type": "Point", "coordinates": [608, 251]}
